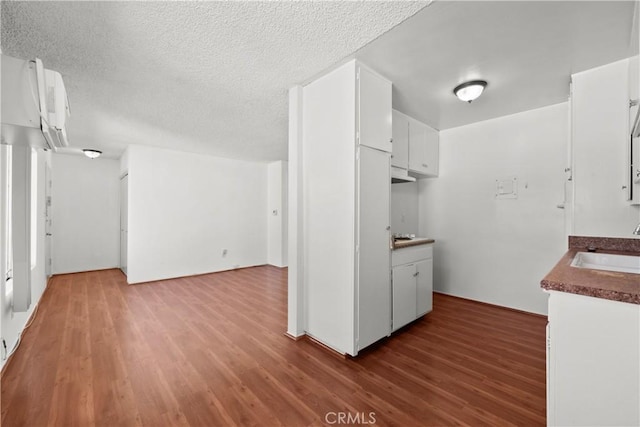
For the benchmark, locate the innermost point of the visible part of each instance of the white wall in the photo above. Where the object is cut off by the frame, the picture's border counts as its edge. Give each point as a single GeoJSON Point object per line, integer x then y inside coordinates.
{"type": "Point", "coordinates": [295, 216]}
{"type": "Point", "coordinates": [86, 206]}
{"type": "Point", "coordinates": [277, 213]}
{"type": "Point", "coordinates": [184, 209]}
{"type": "Point", "coordinates": [600, 110]}
{"type": "Point", "coordinates": [12, 324]}
{"type": "Point", "coordinates": [404, 208]}
{"type": "Point", "coordinates": [490, 250]}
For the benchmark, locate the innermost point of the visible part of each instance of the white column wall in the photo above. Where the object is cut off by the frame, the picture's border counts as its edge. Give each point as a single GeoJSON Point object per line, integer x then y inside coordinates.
{"type": "Point", "coordinates": [295, 301]}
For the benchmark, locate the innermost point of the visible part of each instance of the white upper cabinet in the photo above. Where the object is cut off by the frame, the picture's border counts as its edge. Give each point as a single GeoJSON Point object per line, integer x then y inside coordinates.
{"type": "Point", "coordinates": [423, 148]}
{"type": "Point", "coordinates": [400, 156]}
{"type": "Point", "coordinates": [374, 110]}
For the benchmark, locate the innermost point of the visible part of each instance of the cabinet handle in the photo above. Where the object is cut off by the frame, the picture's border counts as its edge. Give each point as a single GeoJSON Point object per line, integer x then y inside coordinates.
{"type": "Point", "coordinates": [416, 274]}
{"type": "Point", "coordinates": [424, 165]}
{"type": "Point", "coordinates": [637, 172]}
{"type": "Point", "coordinates": [388, 227]}
{"type": "Point", "coordinates": [391, 140]}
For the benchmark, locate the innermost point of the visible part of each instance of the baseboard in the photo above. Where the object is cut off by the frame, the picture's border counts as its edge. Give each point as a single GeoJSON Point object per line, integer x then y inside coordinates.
{"type": "Point", "coordinates": [331, 351]}
{"type": "Point", "coordinates": [228, 270]}
{"type": "Point", "coordinates": [544, 316]}
{"type": "Point", "coordinates": [84, 271]}
{"type": "Point", "coordinates": [295, 338]}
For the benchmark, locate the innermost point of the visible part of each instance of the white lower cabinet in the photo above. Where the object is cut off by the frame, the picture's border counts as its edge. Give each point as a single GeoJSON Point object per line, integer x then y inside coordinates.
{"type": "Point", "coordinates": [412, 284]}
{"type": "Point", "coordinates": [404, 295]}
{"type": "Point", "coordinates": [424, 287]}
{"type": "Point", "coordinates": [593, 368]}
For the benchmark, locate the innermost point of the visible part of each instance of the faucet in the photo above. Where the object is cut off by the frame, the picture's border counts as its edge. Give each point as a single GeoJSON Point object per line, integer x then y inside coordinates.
{"type": "Point", "coordinates": [637, 230]}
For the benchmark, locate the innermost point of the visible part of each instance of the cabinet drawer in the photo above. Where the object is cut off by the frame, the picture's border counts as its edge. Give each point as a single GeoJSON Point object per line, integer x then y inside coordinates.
{"type": "Point", "coordinates": [411, 254]}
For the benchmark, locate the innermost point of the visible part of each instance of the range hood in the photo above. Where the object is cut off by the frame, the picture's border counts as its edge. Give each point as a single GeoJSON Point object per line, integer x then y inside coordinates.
{"type": "Point", "coordinates": [399, 175]}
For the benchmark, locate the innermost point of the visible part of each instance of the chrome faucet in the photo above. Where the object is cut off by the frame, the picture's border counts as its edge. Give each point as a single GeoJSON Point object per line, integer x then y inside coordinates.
{"type": "Point", "coordinates": [637, 230]}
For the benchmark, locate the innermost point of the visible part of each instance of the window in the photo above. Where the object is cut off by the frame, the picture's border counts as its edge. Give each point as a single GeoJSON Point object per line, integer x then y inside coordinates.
{"type": "Point", "coordinates": [34, 208]}
{"type": "Point", "coordinates": [7, 247]}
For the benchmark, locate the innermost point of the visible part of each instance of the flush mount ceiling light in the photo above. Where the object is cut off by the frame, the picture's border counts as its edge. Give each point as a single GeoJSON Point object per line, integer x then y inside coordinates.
{"type": "Point", "coordinates": [92, 154]}
{"type": "Point", "coordinates": [469, 91]}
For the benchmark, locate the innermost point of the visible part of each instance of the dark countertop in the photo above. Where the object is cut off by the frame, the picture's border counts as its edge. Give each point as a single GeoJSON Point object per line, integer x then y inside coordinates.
{"type": "Point", "coordinates": [397, 244]}
{"type": "Point", "coordinates": [611, 285]}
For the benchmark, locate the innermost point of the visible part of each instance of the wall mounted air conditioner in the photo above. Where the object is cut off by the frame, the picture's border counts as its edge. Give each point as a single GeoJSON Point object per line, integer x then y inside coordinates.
{"type": "Point", "coordinates": [35, 107]}
{"type": "Point", "coordinates": [54, 106]}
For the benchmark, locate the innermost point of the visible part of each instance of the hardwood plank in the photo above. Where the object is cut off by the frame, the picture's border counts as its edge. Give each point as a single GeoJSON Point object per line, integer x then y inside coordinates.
{"type": "Point", "coordinates": [210, 350]}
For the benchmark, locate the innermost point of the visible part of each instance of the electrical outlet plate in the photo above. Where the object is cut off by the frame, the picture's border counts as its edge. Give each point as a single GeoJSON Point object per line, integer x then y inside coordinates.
{"type": "Point", "coordinates": [507, 188]}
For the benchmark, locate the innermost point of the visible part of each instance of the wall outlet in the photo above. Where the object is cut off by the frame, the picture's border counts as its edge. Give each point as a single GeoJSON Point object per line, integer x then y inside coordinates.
{"type": "Point", "coordinates": [507, 188]}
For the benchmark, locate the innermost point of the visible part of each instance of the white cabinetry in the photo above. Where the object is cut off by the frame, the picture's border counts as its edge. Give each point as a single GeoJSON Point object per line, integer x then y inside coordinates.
{"type": "Point", "coordinates": [374, 110]}
{"type": "Point", "coordinates": [423, 149]}
{"type": "Point", "coordinates": [400, 157]}
{"type": "Point", "coordinates": [634, 130]}
{"type": "Point", "coordinates": [372, 246]}
{"type": "Point", "coordinates": [412, 283]}
{"type": "Point", "coordinates": [593, 349]}
{"type": "Point", "coordinates": [600, 136]}
{"type": "Point", "coordinates": [415, 146]}
{"type": "Point", "coordinates": [346, 207]}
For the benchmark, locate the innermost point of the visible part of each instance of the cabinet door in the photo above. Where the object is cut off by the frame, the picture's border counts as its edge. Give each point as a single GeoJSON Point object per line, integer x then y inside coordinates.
{"type": "Point", "coordinates": [433, 151]}
{"type": "Point", "coordinates": [423, 148]}
{"type": "Point", "coordinates": [400, 154]}
{"type": "Point", "coordinates": [404, 295]}
{"type": "Point", "coordinates": [374, 110]}
{"type": "Point", "coordinates": [424, 290]}
{"type": "Point", "coordinates": [373, 254]}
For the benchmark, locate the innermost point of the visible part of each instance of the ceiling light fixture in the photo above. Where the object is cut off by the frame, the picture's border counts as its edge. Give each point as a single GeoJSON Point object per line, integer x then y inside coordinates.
{"type": "Point", "coordinates": [90, 153]}
{"type": "Point", "coordinates": [469, 91]}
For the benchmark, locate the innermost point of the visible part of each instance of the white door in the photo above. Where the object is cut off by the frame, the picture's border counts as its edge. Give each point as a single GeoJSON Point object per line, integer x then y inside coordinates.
{"type": "Point", "coordinates": [404, 295]}
{"type": "Point", "coordinates": [47, 220]}
{"type": "Point", "coordinates": [373, 254]}
{"type": "Point", "coordinates": [374, 108]}
{"type": "Point", "coordinates": [124, 218]}
{"type": "Point", "coordinates": [424, 290]}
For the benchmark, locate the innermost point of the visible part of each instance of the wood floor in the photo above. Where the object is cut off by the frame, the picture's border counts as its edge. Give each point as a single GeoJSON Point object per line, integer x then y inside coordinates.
{"type": "Point", "coordinates": [211, 351]}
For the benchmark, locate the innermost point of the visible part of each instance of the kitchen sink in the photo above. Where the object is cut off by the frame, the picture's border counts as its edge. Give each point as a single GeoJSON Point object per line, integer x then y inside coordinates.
{"type": "Point", "coordinates": [607, 262]}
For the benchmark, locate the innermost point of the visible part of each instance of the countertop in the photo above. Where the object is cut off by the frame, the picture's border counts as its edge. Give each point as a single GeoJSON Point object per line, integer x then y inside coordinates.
{"type": "Point", "coordinates": [397, 244]}
{"type": "Point", "coordinates": [611, 285]}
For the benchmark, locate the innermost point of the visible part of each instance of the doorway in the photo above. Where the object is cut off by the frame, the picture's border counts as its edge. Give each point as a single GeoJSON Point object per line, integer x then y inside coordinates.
{"type": "Point", "coordinates": [124, 216]}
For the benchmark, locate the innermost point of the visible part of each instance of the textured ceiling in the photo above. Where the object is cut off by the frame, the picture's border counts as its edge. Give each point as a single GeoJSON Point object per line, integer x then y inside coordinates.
{"type": "Point", "coordinates": [212, 77]}
{"type": "Point", "coordinates": [207, 77]}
